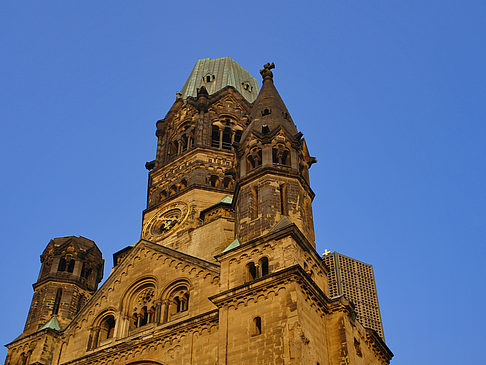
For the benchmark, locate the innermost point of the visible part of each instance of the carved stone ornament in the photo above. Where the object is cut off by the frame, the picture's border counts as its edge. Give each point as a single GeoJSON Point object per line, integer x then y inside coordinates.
{"type": "Point", "coordinates": [145, 297]}
{"type": "Point", "coordinates": [166, 221]}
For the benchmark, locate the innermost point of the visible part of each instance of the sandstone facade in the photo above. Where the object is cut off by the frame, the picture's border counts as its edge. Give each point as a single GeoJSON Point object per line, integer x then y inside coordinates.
{"type": "Point", "coordinates": [226, 270]}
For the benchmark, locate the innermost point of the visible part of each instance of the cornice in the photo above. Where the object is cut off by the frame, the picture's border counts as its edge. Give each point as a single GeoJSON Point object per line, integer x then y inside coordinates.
{"type": "Point", "coordinates": [290, 230]}
{"type": "Point", "coordinates": [164, 333]}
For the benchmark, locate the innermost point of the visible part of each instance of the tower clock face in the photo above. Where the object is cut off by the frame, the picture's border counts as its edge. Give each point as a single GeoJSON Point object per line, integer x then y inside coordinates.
{"type": "Point", "coordinates": [166, 221]}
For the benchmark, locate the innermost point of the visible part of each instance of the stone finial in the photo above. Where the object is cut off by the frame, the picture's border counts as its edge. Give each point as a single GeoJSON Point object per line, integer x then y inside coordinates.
{"type": "Point", "coordinates": [266, 73]}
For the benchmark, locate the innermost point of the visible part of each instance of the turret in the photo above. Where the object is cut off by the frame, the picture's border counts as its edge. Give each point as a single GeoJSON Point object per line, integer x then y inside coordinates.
{"type": "Point", "coordinates": [71, 270]}
{"type": "Point", "coordinates": [272, 169]}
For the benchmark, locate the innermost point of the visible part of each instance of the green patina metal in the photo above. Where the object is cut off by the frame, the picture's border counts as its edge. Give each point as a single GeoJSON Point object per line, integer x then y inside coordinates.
{"type": "Point", "coordinates": [215, 74]}
{"type": "Point", "coordinates": [232, 245]}
{"type": "Point", "coordinates": [52, 324]}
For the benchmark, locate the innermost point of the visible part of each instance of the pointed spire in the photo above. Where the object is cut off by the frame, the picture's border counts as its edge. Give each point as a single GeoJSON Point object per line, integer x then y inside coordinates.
{"type": "Point", "coordinates": [268, 110]}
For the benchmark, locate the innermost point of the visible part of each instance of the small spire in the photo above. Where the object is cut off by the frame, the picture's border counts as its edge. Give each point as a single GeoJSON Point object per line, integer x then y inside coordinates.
{"type": "Point", "coordinates": [266, 73]}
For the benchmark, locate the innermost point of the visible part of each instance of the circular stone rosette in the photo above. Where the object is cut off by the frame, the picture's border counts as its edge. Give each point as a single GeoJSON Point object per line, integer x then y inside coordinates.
{"type": "Point", "coordinates": [166, 221]}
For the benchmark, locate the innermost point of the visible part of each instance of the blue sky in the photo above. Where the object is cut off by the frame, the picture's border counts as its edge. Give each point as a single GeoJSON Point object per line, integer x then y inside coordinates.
{"type": "Point", "coordinates": [390, 96]}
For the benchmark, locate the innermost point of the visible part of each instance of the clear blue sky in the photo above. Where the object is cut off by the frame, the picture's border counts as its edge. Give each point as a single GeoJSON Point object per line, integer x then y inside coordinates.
{"type": "Point", "coordinates": [390, 96]}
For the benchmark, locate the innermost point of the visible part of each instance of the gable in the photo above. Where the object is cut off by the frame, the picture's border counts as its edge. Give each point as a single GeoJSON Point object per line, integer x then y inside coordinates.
{"type": "Point", "coordinates": [148, 276]}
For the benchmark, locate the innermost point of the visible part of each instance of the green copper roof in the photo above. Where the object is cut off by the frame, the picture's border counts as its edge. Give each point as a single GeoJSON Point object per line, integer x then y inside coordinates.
{"type": "Point", "coordinates": [232, 245]}
{"type": "Point", "coordinates": [227, 199]}
{"type": "Point", "coordinates": [218, 73]}
{"type": "Point", "coordinates": [52, 324]}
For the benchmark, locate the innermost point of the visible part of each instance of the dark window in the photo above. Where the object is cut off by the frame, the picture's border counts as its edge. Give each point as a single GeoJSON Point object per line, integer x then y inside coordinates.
{"type": "Point", "coordinates": [227, 183]}
{"type": "Point", "coordinates": [281, 156]}
{"type": "Point", "coordinates": [264, 266]}
{"type": "Point", "coordinates": [283, 199]}
{"type": "Point", "coordinates": [257, 326]}
{"type": "Point", "coordinates": [251, 271]}
{"type": "Point", "coordinates": [226, 138]}
{"type": "Point", "coordinates": [57, 302]}
{"type": "Point", "coordinates": [266, 111]}
{"type": "Point", "coordinates": [143, 317]}
{"type": "Point", "coordinates": [70, 267]}
{"type": "Point", "coordinates": [237, 135]}
{"type": "Point", "coordinates": [215, 136]}
{"type": "Point", "coordinates": [62, 265]}
{"type": "Point", "coordinates": [214, 181]}
{"type": "Point", "coordinates": [254, 158]}
{"type": "Point", "coordinates": [107, 328]}
{"type": "Point", "coordinates": [184, 143]}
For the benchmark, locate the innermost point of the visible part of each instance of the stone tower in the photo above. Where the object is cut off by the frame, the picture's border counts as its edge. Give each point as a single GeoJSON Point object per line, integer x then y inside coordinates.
{"type": "Point", "coordinates": [226, 270]}
{"type": "Point", "coordinates": [194, 154]}
{"type": "Point", "coordinates": [71, 270]}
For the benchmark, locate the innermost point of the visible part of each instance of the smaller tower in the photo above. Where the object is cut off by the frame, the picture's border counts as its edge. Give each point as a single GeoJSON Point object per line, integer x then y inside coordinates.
{"type": "Point", "coordinates": [272, 170]}
{"type": "Point", "coordinates": [71, 270]}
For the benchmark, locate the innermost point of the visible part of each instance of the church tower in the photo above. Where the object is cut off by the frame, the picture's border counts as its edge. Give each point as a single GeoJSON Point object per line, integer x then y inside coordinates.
{"type": "Point", "coordinates": [71, 270]}
{"type": "Point", "coordinates": [226, 269]}
{"type": "Point", "coordinates": [194, 152]}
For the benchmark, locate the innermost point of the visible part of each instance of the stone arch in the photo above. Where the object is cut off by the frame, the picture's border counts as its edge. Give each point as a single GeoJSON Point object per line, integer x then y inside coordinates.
{"type": "Point", "coordinates": [175, 299]}
{"type": "Point", "coordinates": [139, 304]}
{"type": "Point", "coordinates": [103, 329]}
{"type": "Point", "coordinates": [254, 158]}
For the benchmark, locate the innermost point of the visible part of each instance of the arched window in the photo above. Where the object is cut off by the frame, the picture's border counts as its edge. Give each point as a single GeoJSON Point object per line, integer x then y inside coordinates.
{"type": "Point", "coordinates": [263, 263]}
{"type": "Point", "coordinates": [227, 182]}
{"type": "Point", "coordinates": [175, 300]}
{"type": "Point", "coordinates": [107, 328]}
{"type": "Point", "coordinates": [281, 155]}
{"type": "Point", "coordinates": [214, 181]}
{"type": "Point", "coordinates": [62, 264]}
{"type": "Point", "coordinates": [257, 326]}
{"type": "Point", "coordinates": [226, 138]}
{"type": "Point", "coordinates": [70, 267]}
{"type": "Point", "coordinates": [254, 158]}
{"type": "Point", "coordinates": [85, 271]}
{"type": "Point", "coordinates": [251, 271]}
{"type": "Point", "coordinates": [215, 136]}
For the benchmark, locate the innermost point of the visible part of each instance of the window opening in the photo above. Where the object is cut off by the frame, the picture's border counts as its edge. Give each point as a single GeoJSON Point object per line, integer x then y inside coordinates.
{"type": "Point", "coordinates": [57, 301]}
{"type": "Point", "coordinates": [215, 136]}
{"type": "Point", "coordinates": [255, 158]}
{"type": "Point", "coordinates": [252, 271]}
{"type": "Point", "coordinates": [214, 181]}
{"type": "Point", "coordinates": [62, 264]}
{"type": "Point", "coordinates": [283, 199]}
{"type": "Point", "coordinates": [227, 184]}
{"type": "Point", "coordinates": [257, 326]}
{"type": "Point", "coordinates": [107, 328]}
{"type": "Point", "coordinates": [266, 111]}
{"type": "Point", "coordinates": [280, 156]}
{"type": "Point", "coordinates": [70, 267]}
{"type": "Point", "coordinates": [237, 135]}
{"type": "Point", "coordinates": [264, 266]}
{"type": "Point", "coordinates": [226, 138]}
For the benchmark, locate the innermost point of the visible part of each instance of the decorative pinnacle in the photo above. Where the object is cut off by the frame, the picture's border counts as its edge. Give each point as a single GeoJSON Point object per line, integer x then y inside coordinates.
{"type": "Point", "coordinates": [266, 73]}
